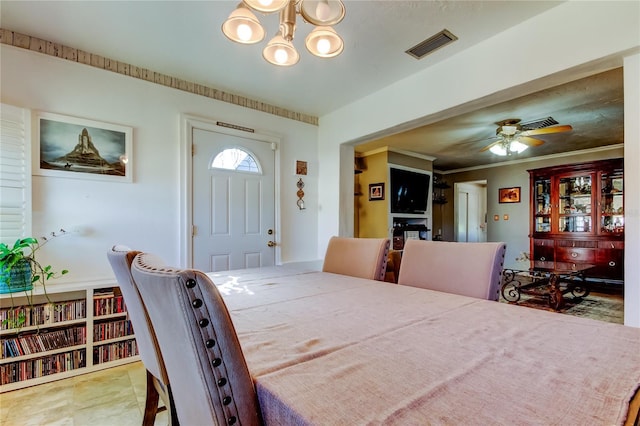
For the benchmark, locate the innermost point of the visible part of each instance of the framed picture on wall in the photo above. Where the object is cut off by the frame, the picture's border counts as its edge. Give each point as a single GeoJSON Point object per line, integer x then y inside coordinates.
{"type": "Point", "coordinates": [509, 195]}
{"type": "Point", "coordinates": [301, 168]}
{"type": "Point", "coordinates": [376, 191]}
{"type": "Point", "coordinates": [72, 147]}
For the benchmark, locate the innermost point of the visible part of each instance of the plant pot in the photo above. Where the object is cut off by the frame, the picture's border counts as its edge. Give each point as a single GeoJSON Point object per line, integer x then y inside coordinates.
{"type": "Point", "coordinates": [17, 279]}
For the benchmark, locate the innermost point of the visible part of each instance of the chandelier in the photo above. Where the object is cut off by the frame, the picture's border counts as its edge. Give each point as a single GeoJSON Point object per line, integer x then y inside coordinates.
{"type": "Point", "coordinates": [509, 143]}
{"type": "Point", "coordinates": [243, 27]}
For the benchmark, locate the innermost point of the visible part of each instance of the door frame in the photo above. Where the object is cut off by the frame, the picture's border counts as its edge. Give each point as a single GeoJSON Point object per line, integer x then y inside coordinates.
{"type": "Point", "coordinates": [187, 124]}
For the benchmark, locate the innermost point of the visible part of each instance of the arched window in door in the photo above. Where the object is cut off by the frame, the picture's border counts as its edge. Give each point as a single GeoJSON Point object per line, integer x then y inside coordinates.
{"type": "Point", "coordinates": [236, 159]}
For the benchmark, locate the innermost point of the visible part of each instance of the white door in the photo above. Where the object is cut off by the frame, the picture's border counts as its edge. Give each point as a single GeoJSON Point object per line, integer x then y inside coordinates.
{"type": "Point", "coordinates": [233, 202]}
{"type": "Point", "coordinates": [463, 217]}
{"type": "Point", "coordinates": [471, 212]}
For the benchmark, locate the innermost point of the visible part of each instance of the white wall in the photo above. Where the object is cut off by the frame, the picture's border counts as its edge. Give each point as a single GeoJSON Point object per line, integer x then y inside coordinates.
{"type": "Point", "coordinates": [144, 214]}
{"type": "Point", "coordinates": [632, 194]}
{"type": "Point", "coordinates": [495, 70]}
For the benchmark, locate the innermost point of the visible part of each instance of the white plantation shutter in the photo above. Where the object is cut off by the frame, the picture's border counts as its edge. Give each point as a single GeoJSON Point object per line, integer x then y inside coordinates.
{"type": "Point", "coordinates": [15, 173]}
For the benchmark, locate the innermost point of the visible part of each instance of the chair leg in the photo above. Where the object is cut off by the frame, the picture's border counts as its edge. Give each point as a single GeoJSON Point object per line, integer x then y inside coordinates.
{"type": "Point", "coordinates": [167, 398]}
{"type": "Point", "coordinates": [171, 407]}
{"type": "Point", "coordinates": [151, 403]}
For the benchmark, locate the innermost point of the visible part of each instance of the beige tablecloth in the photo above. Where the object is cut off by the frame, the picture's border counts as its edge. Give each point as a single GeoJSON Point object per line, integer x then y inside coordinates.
{"type": "Point", "coordinates": [327, 349]}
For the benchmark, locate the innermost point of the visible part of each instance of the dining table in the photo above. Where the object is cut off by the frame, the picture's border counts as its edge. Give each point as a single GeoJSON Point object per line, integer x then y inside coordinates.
{"type": "Point", "coordinates": [330, 349]}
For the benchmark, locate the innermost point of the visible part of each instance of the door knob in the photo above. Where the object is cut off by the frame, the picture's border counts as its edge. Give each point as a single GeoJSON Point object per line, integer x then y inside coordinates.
{"type": "Point", "coordinates": [271, 244]}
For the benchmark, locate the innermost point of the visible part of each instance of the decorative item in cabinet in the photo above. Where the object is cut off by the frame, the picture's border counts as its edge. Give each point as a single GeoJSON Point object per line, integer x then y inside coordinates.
{"type": "Point", "coordinates": [575, 204]}
{"type": "Point", "coordinates": [612, 202]}
{"type": "Point", "coordinates": [542, 200]}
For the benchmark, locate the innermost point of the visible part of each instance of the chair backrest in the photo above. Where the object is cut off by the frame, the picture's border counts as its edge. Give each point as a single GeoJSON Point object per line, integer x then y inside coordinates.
{"type": "Point", "coordinates": [469, 269]}
{"type": "Point", "coordinates": [120, 258]}
{"type": "Point", "coordinates": [357, 257]}
{"type": "Point", "coordinates": [206, 367]}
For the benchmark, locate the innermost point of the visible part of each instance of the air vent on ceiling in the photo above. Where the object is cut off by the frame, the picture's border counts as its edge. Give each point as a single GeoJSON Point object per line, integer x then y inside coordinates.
{"type": "Point", "coordinates": [431, 44]}
{"type": "Point", "coordinates": [539, 124]}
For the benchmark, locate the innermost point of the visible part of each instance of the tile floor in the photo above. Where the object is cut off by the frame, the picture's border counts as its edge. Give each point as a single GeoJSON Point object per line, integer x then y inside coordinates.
{"type": "Point", "coordinates": [113, 396]}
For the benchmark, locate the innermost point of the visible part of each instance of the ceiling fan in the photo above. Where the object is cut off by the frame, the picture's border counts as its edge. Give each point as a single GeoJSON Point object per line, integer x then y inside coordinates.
{"type": "Point", "coordinates": [514, 137]}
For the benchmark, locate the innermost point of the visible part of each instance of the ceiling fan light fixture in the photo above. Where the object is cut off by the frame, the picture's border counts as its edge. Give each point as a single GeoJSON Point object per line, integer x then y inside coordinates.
{"type": "Point", "coordinates": [517, 147]}
{"type": "Point", "coordinates": [498, 149]}
{"type": "Point", "coordinates": [279, 51]}
{"type": "Point", "coordinates": [266, 6]}
{"type": "Point", "coordinates": [322, 12]}
{"type": "Point", "coordinates": [242, 26]}
{"type": "Point", "coordinates": [509, 130]}
{"type": "Point", "coordinates": [324, 42]}
{"type": "Point", "coordinates": [508, 148]}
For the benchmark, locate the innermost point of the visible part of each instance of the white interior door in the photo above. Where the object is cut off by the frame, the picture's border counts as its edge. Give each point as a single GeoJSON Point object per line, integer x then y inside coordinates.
{"type": "Point", "coordinates": [463, 216]}
{"type": "Point", "coordinates": [471, 202]}
{"type": "Point", "coordinates": [233, 202]}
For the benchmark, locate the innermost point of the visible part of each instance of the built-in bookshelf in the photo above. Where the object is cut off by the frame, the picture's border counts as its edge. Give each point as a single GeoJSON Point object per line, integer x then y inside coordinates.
{"type": "Point", "coordinates": [73, 329]}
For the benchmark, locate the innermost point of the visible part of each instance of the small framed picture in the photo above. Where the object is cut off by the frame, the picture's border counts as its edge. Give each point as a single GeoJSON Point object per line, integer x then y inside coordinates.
{"type": "Point", "coordinates": [376, 191]}
{"type": "Point", "coordinates": [509, 195]}
{"type": "Point", "coordinates": [73, 147]}
{"type": "Point", "coordinates": [301, 168]}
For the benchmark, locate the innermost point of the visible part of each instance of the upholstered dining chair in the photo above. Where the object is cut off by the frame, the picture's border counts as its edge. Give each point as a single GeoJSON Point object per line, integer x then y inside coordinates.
{"type": "Point", "coordinates": [357, 257]}
{"type": "Point", "coordinates": [120, 258]}
{"type": "Point", "coordinates": [469, 269]}
{"type": "Point", "coordinates": [207, 370]}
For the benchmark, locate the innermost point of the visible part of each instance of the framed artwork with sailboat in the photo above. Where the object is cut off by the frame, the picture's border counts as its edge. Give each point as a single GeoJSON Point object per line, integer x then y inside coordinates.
{"type": "Point", "coordinates": [71, 147]}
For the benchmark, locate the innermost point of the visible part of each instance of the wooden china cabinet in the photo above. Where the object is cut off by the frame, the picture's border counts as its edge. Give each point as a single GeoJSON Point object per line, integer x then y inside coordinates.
{"type": "Point", "coordinates": [577, 216]}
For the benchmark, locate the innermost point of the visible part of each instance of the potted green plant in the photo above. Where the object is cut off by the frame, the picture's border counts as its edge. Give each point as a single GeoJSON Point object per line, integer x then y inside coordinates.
{"type": "Point", "coordinates": [20, 271]}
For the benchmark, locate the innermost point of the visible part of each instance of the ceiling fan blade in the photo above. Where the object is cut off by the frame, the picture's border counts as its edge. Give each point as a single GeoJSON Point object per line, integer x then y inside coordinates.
{"type": "Point", "coordinates": [488, 147]}
{"type": "Point", "coordinates": [529, 141]}
{"type": "Point", "coordinates": [546, 130]}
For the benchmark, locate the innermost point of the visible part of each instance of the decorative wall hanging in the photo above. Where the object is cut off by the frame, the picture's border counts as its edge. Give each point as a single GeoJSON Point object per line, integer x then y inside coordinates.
{"type": "Point", "coordinates": [301, 168]}
{"type": "Point", "coordinates": [376, 191]}
{"type": "Point", "coordinates": [509, 195]}
{"type": "Point", "coordinates": [300, 194]}
{"type": "Point", "coordinates": [77, 148]}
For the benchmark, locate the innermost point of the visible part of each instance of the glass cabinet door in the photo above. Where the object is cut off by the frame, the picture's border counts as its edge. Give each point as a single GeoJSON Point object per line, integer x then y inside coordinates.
{"type": "Point", "coordinates": [542, 188]}
{"type": "Point", "coordinates": [612, 202]}
{"type": "Point", "coordinates": [574, 196]}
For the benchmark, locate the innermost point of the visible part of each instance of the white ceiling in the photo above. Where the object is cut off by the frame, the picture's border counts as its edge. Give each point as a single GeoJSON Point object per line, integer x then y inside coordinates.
{"type": "Point", "coordinates": [183, 39]}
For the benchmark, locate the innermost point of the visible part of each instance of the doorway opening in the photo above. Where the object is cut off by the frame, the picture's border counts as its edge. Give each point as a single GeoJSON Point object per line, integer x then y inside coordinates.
{"type": "Point", "coordinates": [470, 211]}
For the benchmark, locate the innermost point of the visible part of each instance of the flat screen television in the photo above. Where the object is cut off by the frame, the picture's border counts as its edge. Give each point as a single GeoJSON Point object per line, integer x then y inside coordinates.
{"type": "Point", "coordinates": [409, 191]}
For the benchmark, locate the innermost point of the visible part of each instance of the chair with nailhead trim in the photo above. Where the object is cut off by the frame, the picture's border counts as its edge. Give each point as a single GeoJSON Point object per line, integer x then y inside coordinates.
{"type": "Point", "coordinates": [208, 373]}
{"type": "Point", "coordinates": [357, 257]}
{"type": "Point", "coordinates": [120, 258]}
{"type": "Point", "coordinates": [468, 269]}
